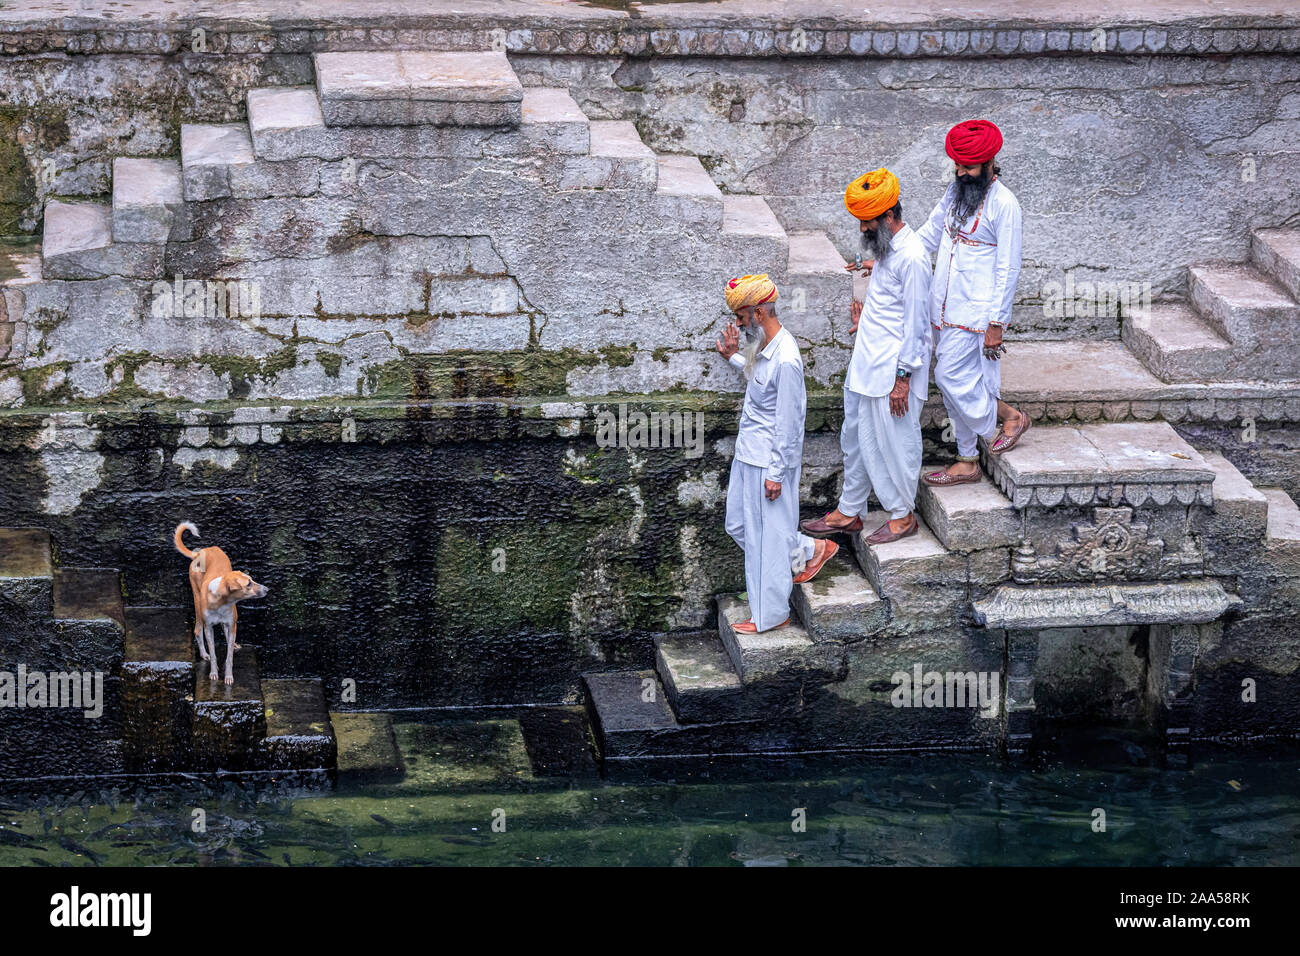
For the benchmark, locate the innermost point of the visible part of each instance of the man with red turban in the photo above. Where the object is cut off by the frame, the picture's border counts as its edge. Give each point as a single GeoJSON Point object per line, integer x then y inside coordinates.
{"type": "Point", "coordinates": [975, 230]}
{"type": "Point", "coordinates": [888, 375]}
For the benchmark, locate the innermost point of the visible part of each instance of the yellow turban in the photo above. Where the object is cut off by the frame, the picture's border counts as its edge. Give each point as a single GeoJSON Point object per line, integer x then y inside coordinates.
{"type": "Point", "coordinates": [871, 195]}
{"type": "Point", "coordinates": [750, 290]}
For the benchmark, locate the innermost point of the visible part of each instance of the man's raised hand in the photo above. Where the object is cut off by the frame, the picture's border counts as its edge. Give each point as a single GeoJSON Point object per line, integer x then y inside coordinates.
{"type": "Point", "coordinates": [729, 344]}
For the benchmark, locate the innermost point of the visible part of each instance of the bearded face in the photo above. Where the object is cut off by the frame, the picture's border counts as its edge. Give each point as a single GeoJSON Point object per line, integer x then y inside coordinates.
{"type": "Point", "coordinates": [752, 340]}
{"type": "Point", "coordinates": [876, 241]}
{"type": "Point", "coordinates": [971, 188]}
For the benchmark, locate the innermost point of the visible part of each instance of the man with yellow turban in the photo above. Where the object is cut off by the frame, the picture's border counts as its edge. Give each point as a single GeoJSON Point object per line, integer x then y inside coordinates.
{"type": "Point", "coordinates": [763, 492]}
{"type": "Point", "coordinates": [975, 230]}
{"type": "Point", "coordinates": [889, 372]}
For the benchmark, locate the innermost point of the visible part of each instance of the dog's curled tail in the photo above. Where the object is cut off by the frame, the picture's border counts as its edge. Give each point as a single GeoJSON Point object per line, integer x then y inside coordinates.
{"type": "Point", "coordinates": [176, 538]}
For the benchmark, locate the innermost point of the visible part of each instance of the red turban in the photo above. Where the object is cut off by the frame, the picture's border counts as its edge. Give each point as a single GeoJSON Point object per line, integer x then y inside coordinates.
{"type": "Point", "coordinates": [973, 142]}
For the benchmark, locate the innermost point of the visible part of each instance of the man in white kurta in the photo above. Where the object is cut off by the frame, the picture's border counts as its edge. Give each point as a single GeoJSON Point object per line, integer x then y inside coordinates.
{"type": "Point", "coordinates": [763, 492]}
{"type": "Point", "coordinates": [888, 375]}
{"type": "Point", "coordinates": [974, 232]}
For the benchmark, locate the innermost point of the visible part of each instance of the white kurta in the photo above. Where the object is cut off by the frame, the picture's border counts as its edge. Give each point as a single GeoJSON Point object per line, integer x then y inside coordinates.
{"type": "Point", "coordinates": [882, 453]}
{"type": "Point", "coordinates": [975, 274]}
{"type": "Point", "coordinates": [769, 446]}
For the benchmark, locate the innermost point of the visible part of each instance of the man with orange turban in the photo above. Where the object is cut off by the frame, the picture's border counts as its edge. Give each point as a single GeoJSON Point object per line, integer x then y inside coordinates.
{"type": "Point", "coordinates": [975, 230]}
{"type": "Point", "coordinates": [763, 492]}
{"type": "Point", "coordinates": [888, 375]}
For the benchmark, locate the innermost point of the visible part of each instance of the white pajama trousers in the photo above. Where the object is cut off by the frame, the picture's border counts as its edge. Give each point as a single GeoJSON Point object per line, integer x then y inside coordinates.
{"type": "Point", "coordinates": [882, 453]}
{"type": "Point", "coordinates": [970, 384]}
{"type": "Point", "coordinates": [768, 533]}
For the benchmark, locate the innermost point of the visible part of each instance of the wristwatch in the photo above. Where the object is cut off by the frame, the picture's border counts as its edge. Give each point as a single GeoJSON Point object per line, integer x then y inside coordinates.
{"type": "Point", "coordinates": [904, 373]}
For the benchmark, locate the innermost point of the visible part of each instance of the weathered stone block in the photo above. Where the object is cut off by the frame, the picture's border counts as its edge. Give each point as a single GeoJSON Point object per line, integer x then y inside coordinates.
{"type": "Point", "coordinates": [551, 119]}
{"type": "Point", "coordinates": [699, 679]}
{"type": "Point", "coordinates": [367, 749]}
{"type": "Point", "coordinates": [228, 720]}
{"type": "Point", "coordinates": [968, 517]}
{"type": "Point", "coordinates": [782, 655]}
{"type": "Point", "coordinates": [148, 201]}
{"type": "Point", "coordinates": [299, 735]}
{"type": "Point", "coordinates": [208, 153]}
{"type": "Point", "coordinates": [405, 88]}
{"type": "Point", "coordinates": [157, 689]}
{"type": "Point", "coordinates": [840, 603]}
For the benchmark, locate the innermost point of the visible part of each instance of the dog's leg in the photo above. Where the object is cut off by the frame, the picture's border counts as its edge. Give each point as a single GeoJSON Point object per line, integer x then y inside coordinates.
{"type": "Point", "coordinates": [234, 622]}
{"type": "Point", "coordinates": [210, 634]}
{"type": "Point", "coordinates": [196, 586]}
{"type": "Point", "coordinates": [230, 650]}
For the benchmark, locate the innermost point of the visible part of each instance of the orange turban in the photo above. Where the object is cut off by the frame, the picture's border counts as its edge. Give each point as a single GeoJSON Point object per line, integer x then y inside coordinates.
{"type": "Point", "coordinates": [871, 195]}
{"type": "Point", "coordinates": [750, 290]}
{"type": "Point", "coordinates": [973, 142]}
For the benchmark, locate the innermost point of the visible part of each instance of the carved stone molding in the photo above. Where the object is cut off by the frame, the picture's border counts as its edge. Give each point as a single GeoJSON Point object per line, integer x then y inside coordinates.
{"type": "Point", "coordinates": [1111, 548]}
{"type": "Point", "coordinates": [1177, 602]}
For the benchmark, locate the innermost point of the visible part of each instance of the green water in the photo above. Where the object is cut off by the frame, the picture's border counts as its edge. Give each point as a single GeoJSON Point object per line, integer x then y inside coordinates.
{"type": "Point", "coordinates": [1229, 809]}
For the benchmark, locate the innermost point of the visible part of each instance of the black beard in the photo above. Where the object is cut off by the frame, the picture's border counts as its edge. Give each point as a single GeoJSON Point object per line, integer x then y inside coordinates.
{"type": "Point", "coordinates": [876, 242]}
{"type": "Point", "coordinates": [970, 193]}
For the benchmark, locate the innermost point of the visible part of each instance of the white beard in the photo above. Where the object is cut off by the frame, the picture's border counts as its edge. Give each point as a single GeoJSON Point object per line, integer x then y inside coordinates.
{"type": "Point", "coordinates": [754, 340]}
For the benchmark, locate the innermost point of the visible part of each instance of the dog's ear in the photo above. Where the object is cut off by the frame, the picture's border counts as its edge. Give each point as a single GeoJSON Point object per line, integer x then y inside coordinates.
{"type": "Point", "coordinates": [243, 579]}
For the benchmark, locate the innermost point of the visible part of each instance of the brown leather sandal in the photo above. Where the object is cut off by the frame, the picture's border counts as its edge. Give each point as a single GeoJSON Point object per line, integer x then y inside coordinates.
{"type": "Point", "coordinates": [941, 479]}
{"type": "Point", "coordinates": [1007, 440]}
{"type": "Point", "coordinates": [883, 535]}
{"type": "Point", "coordinates": [815, 565]}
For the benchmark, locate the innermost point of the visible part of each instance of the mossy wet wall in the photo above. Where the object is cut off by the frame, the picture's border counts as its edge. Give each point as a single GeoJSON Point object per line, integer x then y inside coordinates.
{"type": "Point", "coordinates": [437, 553]}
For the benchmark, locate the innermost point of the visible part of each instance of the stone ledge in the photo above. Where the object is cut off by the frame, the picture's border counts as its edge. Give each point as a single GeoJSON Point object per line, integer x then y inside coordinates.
{"type": "Point", "coordinates": [735, 28]}
{"type": "Point", "coordinates": [1183, 602]}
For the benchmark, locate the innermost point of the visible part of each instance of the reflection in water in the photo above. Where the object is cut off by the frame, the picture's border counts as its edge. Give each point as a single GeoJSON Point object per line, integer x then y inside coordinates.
{"type": "Point", "coordinates": [1219, 809]}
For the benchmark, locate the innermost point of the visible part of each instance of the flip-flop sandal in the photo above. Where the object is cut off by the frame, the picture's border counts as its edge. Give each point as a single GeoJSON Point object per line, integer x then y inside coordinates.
{"type": "Point", "coordinates": [1011, 438]}
{"type": "Point", "coordinates": [810, 572]}
{"type": "Point", "coordinates": [941, 479]}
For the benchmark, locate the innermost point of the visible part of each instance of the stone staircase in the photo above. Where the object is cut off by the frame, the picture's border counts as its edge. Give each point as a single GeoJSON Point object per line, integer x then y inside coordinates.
{"type": "Point", "coordinates": [419, 186]}
{"type": "Point", "coordinates": [992, 558]}
{"type": "Point", "coordinates": [161, 713]}
{"type": "Point", "coordinates": [1242, 322]}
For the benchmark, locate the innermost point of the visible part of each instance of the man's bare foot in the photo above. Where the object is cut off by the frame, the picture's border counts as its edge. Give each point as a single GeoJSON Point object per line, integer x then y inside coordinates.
{"type": "Point", "coordinates": [901, 524]}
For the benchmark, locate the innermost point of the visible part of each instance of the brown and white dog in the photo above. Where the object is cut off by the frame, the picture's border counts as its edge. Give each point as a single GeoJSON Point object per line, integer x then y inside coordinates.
{"type": "Point", "coordinates": [216, 586]}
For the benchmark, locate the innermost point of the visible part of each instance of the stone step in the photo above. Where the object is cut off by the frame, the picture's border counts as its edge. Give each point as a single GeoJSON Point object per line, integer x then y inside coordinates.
{"type": "Point", "coordinates": [968, 517]}
{"type": "Point", "coordinates": [778, 657]}
{"type": "Point", "coordinates": [686, 192]}
{"type": "Point", "coordinates": [157, 689]}
{"type": "Point", "coordinates": [921, 579]}
{"type": "Point", "coordinates": [750, 216]}
{"type": "Point", "coordinates": [698, 678]}
{"type": "Point", "coordinates": [467, 756]}
{"type": "Point", "coordinates": [818, 297]}
{"type": "Point", "coordinates": [752, 237]}
{"type": "Point", "coordinates": [299, 735]}
{"type": "Point", "coordinates": [551, 118]}
{"type": "Point", "coordinates": [1111, 463]}
{"type": "Point", "coordinates": [1247, 308]}
{"type": "Point", "coordinates": [286, 124]}
{"type": "Point", "coordinates": [631, 721]}
{"type": "Point", "coordinates": [628, 710]}
{"type": "Point", "coordinates": [88, 622]}
{"type": "Point", "coordinates": [1177, 344]}
{"type": "Point", "coordinates": [418, 88]}
{"type": "Point", "coordinates": [618, 160]}
{"type": "Point", "coordinates": [1276, 252]}
{"type": "Point", "coordinates": [210, 152]}
{"type": "Point", "coordinates": [77, 243]}
{"type": "Point", "coordinates": [367, 749]}
{"type": "Point", "coordinates": [26, 553]}
{"type": "Point", "coordinates": [1240, 509]}
{"type": "Point", "coordinates": [26, 591]}
{"type": "Point", "coordinates": [840, 605]}
{"type": "Point", "coordinates": [148, 201]}
{"type": "Point", "coordinates": [228, 719]}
